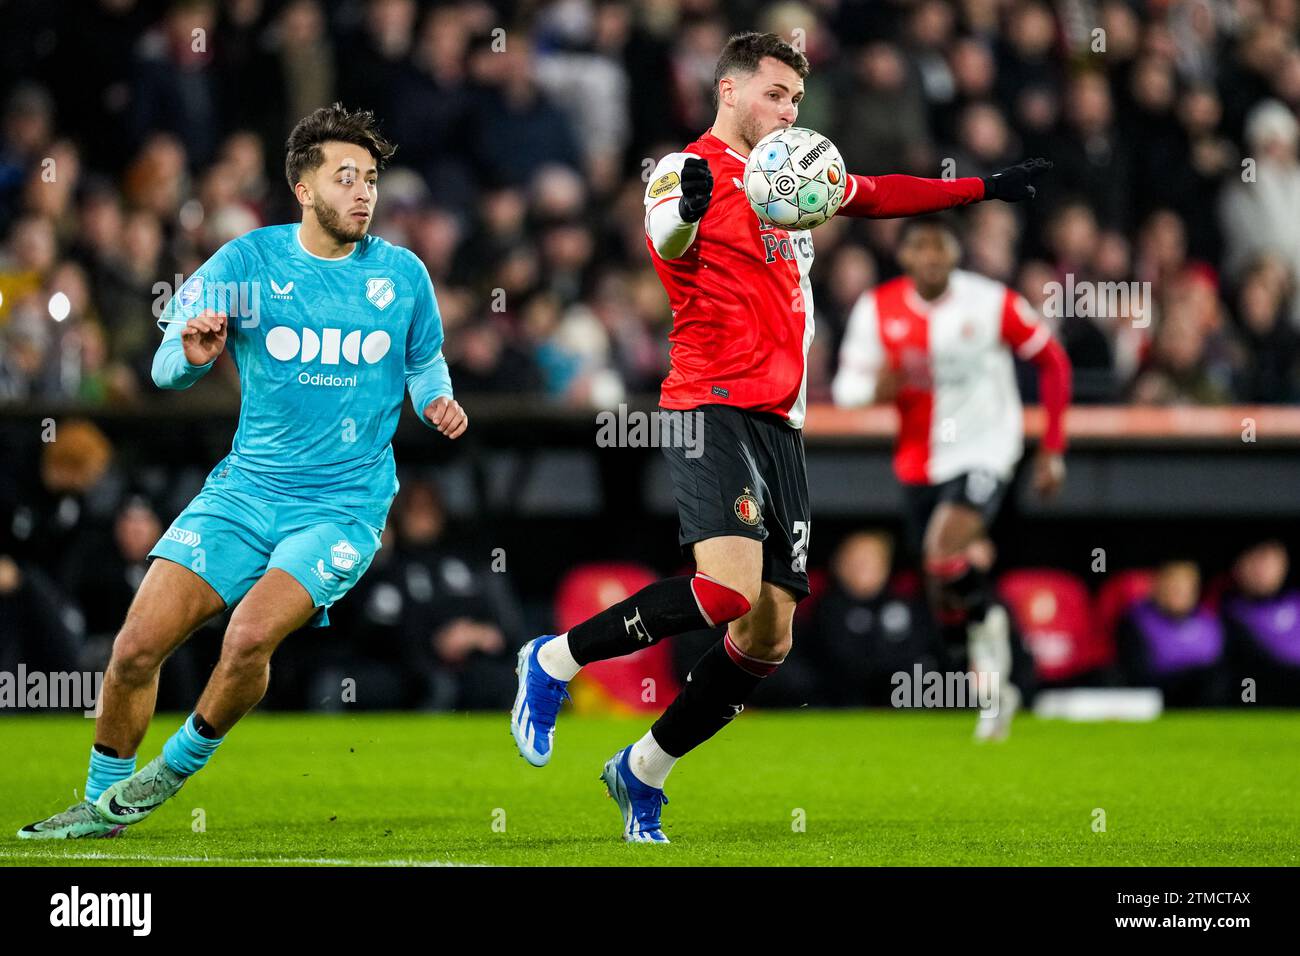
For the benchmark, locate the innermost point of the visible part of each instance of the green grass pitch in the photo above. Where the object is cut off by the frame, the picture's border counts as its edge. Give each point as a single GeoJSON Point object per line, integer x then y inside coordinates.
{"type": "Point", "coordinates": [802, 788]}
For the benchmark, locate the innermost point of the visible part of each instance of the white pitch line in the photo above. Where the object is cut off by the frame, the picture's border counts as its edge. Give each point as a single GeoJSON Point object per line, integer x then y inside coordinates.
{"type": "Point", "coordinates": [290, 860]}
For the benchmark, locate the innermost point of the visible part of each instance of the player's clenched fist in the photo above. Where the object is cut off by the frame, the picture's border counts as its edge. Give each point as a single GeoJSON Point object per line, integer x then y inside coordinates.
{"type": "Point", "coordinates": [446, 415]}
{"type": "Point", "coordinates": [697, 189]}
{"type": "Point", "coordinates": [204, 336]}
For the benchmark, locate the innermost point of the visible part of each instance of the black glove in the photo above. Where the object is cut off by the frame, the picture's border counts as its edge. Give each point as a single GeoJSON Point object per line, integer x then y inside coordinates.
{"type": "Point", "coordinates": [1016, 182]}
{"type": "Point", "coordinates": [697, 189]}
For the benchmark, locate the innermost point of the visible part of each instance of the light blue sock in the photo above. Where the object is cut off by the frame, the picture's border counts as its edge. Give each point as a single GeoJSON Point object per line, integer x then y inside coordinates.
{"type": "Point", "coordinates": [187, 750]}
{"type": "Point", "coordinates": [105, 771]}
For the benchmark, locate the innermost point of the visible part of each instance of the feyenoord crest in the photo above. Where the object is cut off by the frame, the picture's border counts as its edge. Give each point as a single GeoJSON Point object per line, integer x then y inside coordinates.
{"type": "Point", "coordinates": [343, 556]}
{"type": "Point", "coordinates": [747, 509]}
{"type": "Point", "coordinates": [380, 292]}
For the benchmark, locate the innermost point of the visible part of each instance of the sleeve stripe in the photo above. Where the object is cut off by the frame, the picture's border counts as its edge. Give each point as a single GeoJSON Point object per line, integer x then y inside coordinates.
{"type": "Point", "coordinates": [1035, 343]}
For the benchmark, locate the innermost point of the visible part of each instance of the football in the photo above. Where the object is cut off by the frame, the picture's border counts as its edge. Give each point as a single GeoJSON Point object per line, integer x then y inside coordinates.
{"type": "Point", "coordinates": [795, 178]}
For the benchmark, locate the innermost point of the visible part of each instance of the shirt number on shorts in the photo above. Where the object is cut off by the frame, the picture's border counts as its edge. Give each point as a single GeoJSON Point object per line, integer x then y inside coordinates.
{"type": "Point", "coordinates": [802, 530]}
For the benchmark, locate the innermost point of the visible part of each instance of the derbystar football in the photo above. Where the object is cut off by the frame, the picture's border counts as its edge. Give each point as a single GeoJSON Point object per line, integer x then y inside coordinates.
{"type": "Point", "coordinates": [795, 178]}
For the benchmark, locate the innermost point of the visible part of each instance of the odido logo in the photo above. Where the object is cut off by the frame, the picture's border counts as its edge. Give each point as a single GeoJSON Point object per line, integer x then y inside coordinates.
{"type": "Point", "coordinates": [329, 347]}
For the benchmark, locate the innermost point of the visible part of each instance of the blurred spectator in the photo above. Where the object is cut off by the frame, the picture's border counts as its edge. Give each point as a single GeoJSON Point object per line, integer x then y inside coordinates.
{"type": "Point", "coordinates": [72, 493]}
{"type": "Point", "coordinates": [103, 570]}
{"type": "Point", "coordinates": [444, 625]}
{"type": "Point", "coordinates": [1262, 616]}
{"type": "Point", "coordinates": [177, 88]}
{"type": "Point", "coordinates": [882, 127]}
{"type": "Point", "coordinates": [26, 127]}
{"type": "Point", "coordinates": [522, 151]}
{"type": "Point", "coordinates": [1211, 157]}
{"type": "Point", "coordinates": [157, 178]}
{"type": "Point", "coordinates": [519, 185]}
{"type": "Point", "coordinates": [26, 260]}
{"type": "Point", "coordinates": [377, 56]}
{"type": "Point", "coordinates": [590, 86]}
{"type": "Point", "coordinates": [517, 128]}
{"type": "Point", "coordinates": [1093, 158]}
{"type": "Point", "coordinates": [1177, 373]}
{"type": "Point", "coordinates": [1269, 370]}
{"type": "Point", "coordinates": [38, 627]}
{"type": "Point", "coordinates": [865, 628]}
{"type": "Point", "coordinates": [433, 109]}
{"type": "Point", "coordinates": [1025, 50]}
{"type": "Point", "coordinates": [1171, 642]}
{"type": "Point", "coordinates": [1261, 211]}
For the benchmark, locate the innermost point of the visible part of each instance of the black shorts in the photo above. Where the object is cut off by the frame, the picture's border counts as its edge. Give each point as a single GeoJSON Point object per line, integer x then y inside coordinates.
{"type": "Point", "coordinates": [747, 477]}
{"type": "Point", "coordinates": [981, 490]}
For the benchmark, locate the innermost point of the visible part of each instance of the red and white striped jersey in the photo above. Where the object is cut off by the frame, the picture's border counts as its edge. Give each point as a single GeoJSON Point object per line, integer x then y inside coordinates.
{"type": "Point", "coordinates": [739, 292]}
{"type": "Point", "coordinates": [959, 406]}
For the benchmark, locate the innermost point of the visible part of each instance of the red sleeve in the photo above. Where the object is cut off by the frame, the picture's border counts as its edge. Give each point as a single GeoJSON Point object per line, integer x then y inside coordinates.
{"type": "Point", "coordinates": [883, 197]}
{"type": "Point", "coordinates": [1054, 392]}
{"type": "Point", "coordinates": [1029, 336]}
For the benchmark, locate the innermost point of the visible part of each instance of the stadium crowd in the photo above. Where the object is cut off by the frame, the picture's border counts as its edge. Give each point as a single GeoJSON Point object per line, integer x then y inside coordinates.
{"type": "Point", "coordinates": [137, 137]}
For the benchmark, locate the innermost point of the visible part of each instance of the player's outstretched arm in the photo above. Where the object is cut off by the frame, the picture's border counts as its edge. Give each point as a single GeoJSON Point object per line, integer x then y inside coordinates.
{"type": "Point", "coordinates": [188, 350]}
{"type": "Point", "coordinates": [886, 197]}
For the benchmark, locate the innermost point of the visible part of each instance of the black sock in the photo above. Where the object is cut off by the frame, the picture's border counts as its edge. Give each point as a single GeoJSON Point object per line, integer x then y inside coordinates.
{"type": "Point", "coordinates": [972, 589]}
{"type": "Point", "coordinates": [657, 611]}
{"type": "Point", "coordinates": [204, 728]}
{"type": "Point", "coordinates": [962, 600]}
{"type": "Point", "coordinates": [715, 692]}
{"type": "Point", "coordinates": [106, 751]}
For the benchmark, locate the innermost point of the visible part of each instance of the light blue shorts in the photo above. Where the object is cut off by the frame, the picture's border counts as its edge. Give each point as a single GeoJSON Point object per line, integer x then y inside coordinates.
{"type": "Point", "coordinates": [231, 538]}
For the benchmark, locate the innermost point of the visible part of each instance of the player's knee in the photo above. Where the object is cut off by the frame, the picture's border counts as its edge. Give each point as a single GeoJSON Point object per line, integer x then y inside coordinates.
{"type": "Point", "coordinates": [137, 654]}
{"type": "Point", "coordinates": [722, 603]}
{"type": "Point", "coordinates": [761, 641]}
{"type": "Point", "coordinates": [247, 645]}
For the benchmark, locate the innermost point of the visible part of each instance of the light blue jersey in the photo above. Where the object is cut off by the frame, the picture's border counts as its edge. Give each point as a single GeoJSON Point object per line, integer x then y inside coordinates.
{"type": "Point", "coordinates": [325, 349]}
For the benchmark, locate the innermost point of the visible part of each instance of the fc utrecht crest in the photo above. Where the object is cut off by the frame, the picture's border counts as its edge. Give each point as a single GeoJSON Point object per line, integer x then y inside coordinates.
{"type": "Point", "coordinates": [380, 292]}
{"type": "Point", "coordinates": [343, 556]}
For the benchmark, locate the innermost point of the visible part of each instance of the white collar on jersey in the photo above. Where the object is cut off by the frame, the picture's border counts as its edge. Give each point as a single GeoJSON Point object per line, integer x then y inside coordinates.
{"type": "Point", "coordinates": [297, 234]}
{"type": "Point", "coordinates": [743, 159]}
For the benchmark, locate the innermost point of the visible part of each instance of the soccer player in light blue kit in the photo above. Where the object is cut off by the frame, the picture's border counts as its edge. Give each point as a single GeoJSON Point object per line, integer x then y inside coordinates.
{"type": "Point", "coordinates": [328, 327]}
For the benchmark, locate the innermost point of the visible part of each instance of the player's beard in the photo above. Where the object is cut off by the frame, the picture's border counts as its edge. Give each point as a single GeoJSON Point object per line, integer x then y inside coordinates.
{"type": "Point", "coordinates": [752, 130]}
{"type": "Point", "coordinates": [336, 226]}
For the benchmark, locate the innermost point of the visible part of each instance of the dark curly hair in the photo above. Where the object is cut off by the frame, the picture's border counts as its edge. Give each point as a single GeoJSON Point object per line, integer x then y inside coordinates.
{"type": "Point", "coordinates": [744, 51]}
{"type": "Point", "coordinates": [332, 124]}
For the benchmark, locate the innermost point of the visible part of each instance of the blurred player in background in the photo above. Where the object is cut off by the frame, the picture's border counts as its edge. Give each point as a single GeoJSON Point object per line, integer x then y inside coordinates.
{"type": "Point", "coordinates": [742, 324]}
{"type": "Point", "coordinates": [940, 343]}
{"type": "Point", "coordinates": [328, 326]}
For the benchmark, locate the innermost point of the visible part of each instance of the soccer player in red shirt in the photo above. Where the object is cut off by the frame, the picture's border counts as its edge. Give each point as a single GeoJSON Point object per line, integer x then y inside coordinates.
{"type": "Point", "coordinates": [742, 323]}
{"type": "Point", "coordinates": [939, 342]}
